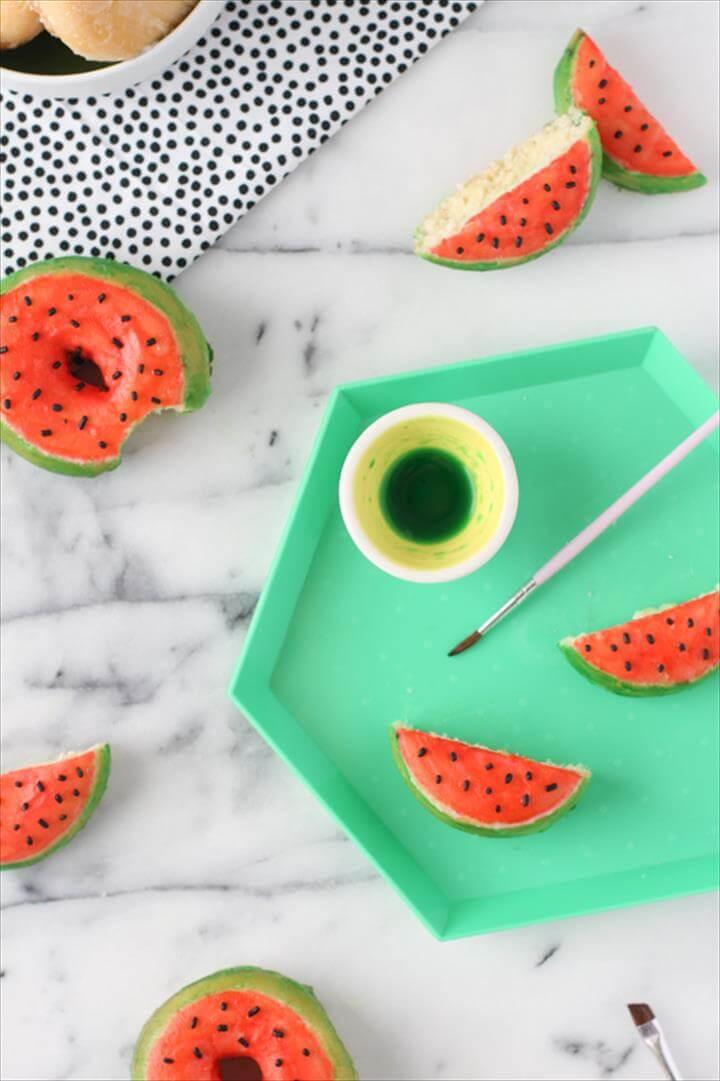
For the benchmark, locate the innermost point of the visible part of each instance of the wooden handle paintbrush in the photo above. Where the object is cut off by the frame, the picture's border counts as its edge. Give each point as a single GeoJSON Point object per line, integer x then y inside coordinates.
{"type": "Point", "coordinates": [592, 531]}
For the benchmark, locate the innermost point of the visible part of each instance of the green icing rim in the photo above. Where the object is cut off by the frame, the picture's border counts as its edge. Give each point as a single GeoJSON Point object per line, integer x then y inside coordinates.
{"type": "Point", "coordinates": [621, 686]}
{"type": "Point", "coordinates": [195, 353]}
{"type": "Point", "coordinates": [645, 183]}
{"type": "Point", "coordinates": [102, 773]}
{"type": "Point", "coordinates": [596, 157]}
{"type": "Point", "coordinates": [297, 996]}
{"type": "Point", "coordinates": [482, 831]}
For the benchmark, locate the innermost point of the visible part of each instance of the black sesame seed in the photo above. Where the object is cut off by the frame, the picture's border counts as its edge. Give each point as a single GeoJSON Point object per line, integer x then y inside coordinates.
{"type": "Point", "coordinates": [667, 153]}
{"type": "Point", "coordinates": [58, 798]}
{"type": "Point", "coordinates": [151, 341]}
{"type": "Point", "coordinates": [548, 228]}
{"type": "Point", "coordinates": [7, 403]}
{"type": "Point", "coordinates": [133, 395]}
{"type": "Point", "coordinates": [101, 298]}
{"type": "Point", "coordinates": [422, 751]}
{"type": "Point", "coordinates": [28, 840]}
{"type": "Point", "coordinates": [193, 1023]}
{"type": "Point", "coordinates": [76, 792]}
{"type": "Point", "coordinates": [62, 777]}
{"type": "Point", "coordinates": [706, 654]}
{"type": "Point", "coordinates": [488, 791]}
{"type": "Point", "coordinates": [626, 637]}
{"type": "Point", "coordinates": [158, 371]}
{"type": "Point", "coordinates": [588, 647]}
{"type": "Point", "coordinates": [74, 323]}
{"type": "Point", "coordinates": [547, 187]}
{"type": "Point", "coordinates": [555, 204]}
{"type": "Point", "coordinates": [438, 778]}
{"type": "Point", "coordinates": [243, 1041]}
{"type": "Point", "coordinates": [628, 666]}
{"type": "Point", "coordinates": [123, 417]}
{"type": "Point", "coordinates": [573, 169]}
{"type": "Point", "coordinates": [661, 668]}
{"type": "Point", "coordinates": [278, 1032]}
{"type": "Point", "coordinates": [46, 431]}
{"type": "Point", "coordinates": [508, 778]}
{"type": "Point", "coordinates": [222, 1028]}
{"type": "Point", "coordinates": [102, 444]}
{"type": "Point", "coordinates": [523, 222]}
{"type": "Point", "coordinates": [453, 756]}
{"type": "Point", "coordinates": [489, 765]}
{"type": "Point", "coordinates": [613, 647]}
{"type": "Point", "coordinates": [28, 301]}
{"type": "Point", "coordinates": [682, 647]}
{"type": "Point", "coordinates": [459, 251]}
{"type": "Point", "coordinates": [223, 1005]}
{"type": "Point", "coordinates": [156, 401]}
{"type": "Point", "coordinates": [602, 84]}
{"type": "Point", "coordinates": [518, 241]}
{"type": "Point", "coordinates": [197, 1052]}
{"type": "Point", "coordinates": [253, 1011]}
{"type": "Point", "coordinates": [40, 786]}
{"type": "Point", "coordinates": [669, 621]}
{"type": "Point", "coordinates": [525, 800]}
{"type": "Point", "coordinates": [691, 622]}
{"type": "Point", "coordinates": [528, 776]}
{"type": "Point", "coordinates": [116, 342]}
{"type": "Point", "coordinates": [36, 394]}
{"type": "Point", "coordinates": [125, 318]}
{"type": "Point", "coordinates": [526, 201]}
{"type": "Point", "coordinates": [35, 335]}
{"type": "Point", "coordinates": [618, 135]}
{"type": "Point", "coordinates": [638, 148]}
{"type": "Point", "coordinates": [650, 638]}
{"type": "Point", "coordinates": [503, 219]}
{"type": "Point", "coordinates": [305, 1052]}
{"type": "Point", "coordinates": [480, 237]}
{"type": "Point", "coordinates": [466, 786]}
{"type": "Point", "coordinates": [495, 242]}
{"type": "Point", "coordinates": [43, 823]}
{"type": "Point", "coordinates": [82, 422]}
{"type": "Point", "coordinates": [56, 407]}
{"type": "Point", "coordinates": [498, 808]}
{"type": "Point", "coordinates": [550, 787]}
{"type": "Point", "coordinates": [24, 806]}
{"type": "Point", "coordinates": [570, 184]}
{"type": "Point", "coordinates": [16, 376]}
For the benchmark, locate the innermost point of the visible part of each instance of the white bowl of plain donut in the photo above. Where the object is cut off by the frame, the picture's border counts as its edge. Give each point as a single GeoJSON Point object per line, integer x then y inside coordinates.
{"type": "Point", "coordinates": [78, 48]}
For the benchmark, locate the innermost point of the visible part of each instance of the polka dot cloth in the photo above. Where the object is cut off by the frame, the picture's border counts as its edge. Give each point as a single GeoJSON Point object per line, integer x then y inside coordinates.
{"type": "Point", "coordinates": [155, 175]}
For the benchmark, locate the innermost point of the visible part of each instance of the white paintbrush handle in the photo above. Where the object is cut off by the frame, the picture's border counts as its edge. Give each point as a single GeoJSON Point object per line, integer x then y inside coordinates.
{"type": "Point", "coordinates": [616, 509]}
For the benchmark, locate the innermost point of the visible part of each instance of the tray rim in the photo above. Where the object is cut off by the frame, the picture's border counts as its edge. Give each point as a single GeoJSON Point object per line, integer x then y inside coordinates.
{"type": "Point", "coordinates": [251, 692]}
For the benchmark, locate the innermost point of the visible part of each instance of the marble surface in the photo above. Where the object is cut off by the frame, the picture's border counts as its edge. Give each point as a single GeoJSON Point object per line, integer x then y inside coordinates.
{"type": "Point", "coordinates": [126, 601]}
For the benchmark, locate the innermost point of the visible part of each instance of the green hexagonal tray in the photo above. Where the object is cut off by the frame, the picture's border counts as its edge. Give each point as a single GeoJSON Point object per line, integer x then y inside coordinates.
{"type": "Point", "coordinates": [337, 649]}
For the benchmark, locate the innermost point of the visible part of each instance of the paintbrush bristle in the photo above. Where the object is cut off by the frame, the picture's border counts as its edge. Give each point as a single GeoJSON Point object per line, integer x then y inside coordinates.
{"type": "Point", "coordinates": [465, 644]}
{"type": "Point", "coordinates": [641, 1013]}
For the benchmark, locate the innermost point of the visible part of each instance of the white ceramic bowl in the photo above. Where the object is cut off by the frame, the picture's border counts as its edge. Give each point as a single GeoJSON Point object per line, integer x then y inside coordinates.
{"type": "Point", "coordinates": [123, 73]}
{"type": "Point", "coordinates": [359, 462]}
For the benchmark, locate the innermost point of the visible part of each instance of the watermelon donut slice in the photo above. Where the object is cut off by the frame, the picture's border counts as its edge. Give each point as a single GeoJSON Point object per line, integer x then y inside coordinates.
{"type": "Point", "coordinates": [490, 793]}
{"type": "Point", "coordinates": [520, 207]}
{"type": "Point", "coordinates": [44, 806]}
{"type": "Point", "coordinates": [658, 651]}
{"type": "Point", "coordinates": [242, 1022]}
{"type": "Point", "coordinates": [638, 152]}
{"type": "Point", "coordinates": [88, 349]}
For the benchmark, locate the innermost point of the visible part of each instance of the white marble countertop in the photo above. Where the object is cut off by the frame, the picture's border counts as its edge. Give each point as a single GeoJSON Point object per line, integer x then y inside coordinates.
{"type": "Point", "coordinates": [126, 600]}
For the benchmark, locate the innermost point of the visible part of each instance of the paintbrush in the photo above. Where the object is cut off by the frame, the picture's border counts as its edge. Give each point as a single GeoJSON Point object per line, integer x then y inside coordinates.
{"type": "Point", "coordinates": [650, 1032]}
{"type": "Point", "coordinates": [592, 531]}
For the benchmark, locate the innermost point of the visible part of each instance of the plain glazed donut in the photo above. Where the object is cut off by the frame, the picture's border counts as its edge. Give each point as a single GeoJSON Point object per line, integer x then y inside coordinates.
{"type": "Point", "coordinates": [18, 23]}
{"type": "Point", "coordinates": [111, 29]}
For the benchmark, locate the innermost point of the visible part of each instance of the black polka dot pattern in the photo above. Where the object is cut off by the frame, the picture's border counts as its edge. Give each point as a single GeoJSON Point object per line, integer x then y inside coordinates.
{"type": "Point", "coordinates": [155, 175]}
